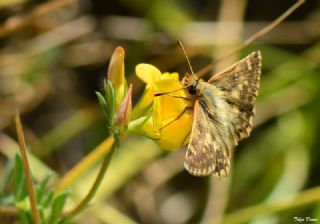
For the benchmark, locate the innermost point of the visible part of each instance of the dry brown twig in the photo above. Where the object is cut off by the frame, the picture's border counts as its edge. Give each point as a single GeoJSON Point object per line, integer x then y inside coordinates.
{"type": "Point", "coordinates": [253, 38]}
{"type": "Point", "coordinates": [26, 168]}
{"type": "Point", "coordinates": [16, 23]}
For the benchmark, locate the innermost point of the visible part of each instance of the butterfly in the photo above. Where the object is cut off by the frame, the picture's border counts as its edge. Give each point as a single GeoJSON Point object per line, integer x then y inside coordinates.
{"type": "Point", "coordinates": [224, 109]}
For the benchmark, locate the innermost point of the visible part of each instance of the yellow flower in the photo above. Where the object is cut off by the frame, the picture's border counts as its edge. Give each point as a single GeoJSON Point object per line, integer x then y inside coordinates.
{"type": "Point", "coordinates": [152, 114]}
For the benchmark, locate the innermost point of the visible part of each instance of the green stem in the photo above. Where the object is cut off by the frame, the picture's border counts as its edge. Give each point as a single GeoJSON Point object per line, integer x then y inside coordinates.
{"type": "Point", "coordinates": [103, 169]}
{"type": "Point", "coordinates": [65, 131]}
{"type": "Point", "coordinates": [26, 168]}
{"type": "Point", "coordinates": [244, 215]}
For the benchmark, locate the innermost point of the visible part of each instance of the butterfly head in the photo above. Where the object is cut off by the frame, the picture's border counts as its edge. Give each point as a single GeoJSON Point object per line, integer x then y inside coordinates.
{"type": "Point", "coordinates": [190, 82]}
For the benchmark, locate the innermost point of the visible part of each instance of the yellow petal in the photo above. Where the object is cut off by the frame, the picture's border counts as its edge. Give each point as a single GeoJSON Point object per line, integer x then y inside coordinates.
{"type": "Point", "coordinates": [177, 133]}
{"type": "Point", "coordinates": [166, 108]}
{"type": "Point", "coordinates": [174, 75]}
{"type": "Point", "coordinates": [143, 126]}
{"type": "Point", "coordinates": [144, 105]}
{"type": "Point", "coordinates": [148, 73]}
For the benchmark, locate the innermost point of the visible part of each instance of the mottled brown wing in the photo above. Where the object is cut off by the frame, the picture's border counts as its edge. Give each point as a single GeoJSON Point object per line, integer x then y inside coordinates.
{"type": "Point", "coordinates": [205, 155]}
{"type": "Point", "coordinates": [239, 86]}
{"type": "Point", "coordinates": [223, 116]}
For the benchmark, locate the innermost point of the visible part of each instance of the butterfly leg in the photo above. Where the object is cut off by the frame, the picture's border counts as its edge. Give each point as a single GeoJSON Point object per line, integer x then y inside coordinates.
{"type": "Point", "coordinates": [177, 118]}
{"type": "Point", "coordinates": [167, 93]}
{"type": "Point", "coordinates": [180, 97]}
{"type": "Point", "coordinates": [175, 96]}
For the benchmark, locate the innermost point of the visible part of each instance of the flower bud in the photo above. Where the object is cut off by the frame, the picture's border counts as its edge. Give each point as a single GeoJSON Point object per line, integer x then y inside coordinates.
{"type": "Point", "coordinates": [116, 74]}
{"type": "Point", "coordinates": [124, 110]}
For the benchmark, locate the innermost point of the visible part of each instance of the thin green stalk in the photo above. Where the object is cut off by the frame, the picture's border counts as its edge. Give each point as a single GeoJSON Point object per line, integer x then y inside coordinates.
{"type": "Point", "coordinates": [244, 215]}
{"type": "Point", "coordinates": [26, 168]}
{"type": "Point", "coordinates": [65, 131]}
{"type": "Point", "coordinates": [103, 169]}
{"type": "Point", "coordinates": [253, 38]}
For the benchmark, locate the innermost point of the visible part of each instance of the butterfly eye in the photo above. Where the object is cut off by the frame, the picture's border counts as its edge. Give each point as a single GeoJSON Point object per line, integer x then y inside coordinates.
{"type": "Point", "coordinates": [192, 90]}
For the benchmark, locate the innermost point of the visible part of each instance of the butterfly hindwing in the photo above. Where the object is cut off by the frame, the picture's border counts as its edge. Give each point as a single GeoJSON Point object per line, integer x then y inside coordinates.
{"type": "Point", "coordinates": [206, 154]}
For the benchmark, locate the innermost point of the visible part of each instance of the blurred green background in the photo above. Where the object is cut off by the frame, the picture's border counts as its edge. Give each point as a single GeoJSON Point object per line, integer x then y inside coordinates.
{"type": "Point", "coordinates": [54, 56]}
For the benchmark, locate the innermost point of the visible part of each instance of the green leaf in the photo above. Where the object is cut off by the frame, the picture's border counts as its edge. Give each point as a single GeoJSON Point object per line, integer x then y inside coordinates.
{"type": "Point", "coordinates": [20, 187]}
{"type": "Point", "coordinates": [42, 188]}
{"type": "Point", "coordinates": [42, 214]}
{"type": "Point", "coordinates": [111, 103]}
{"type": "Point", "coordinates": [103, 103]}
{"type": "Point", "coordinates": [9, 199]}
{"type": "Point", "coordinates": [107, 112]}
{"type": "Point", "coordinates": [47, 199]}
{"type": "Point", "coordinates": [24, 217]}
{"type": "Point", "coordinates": [108, 103]}
{"type": "Point", "coordinates": [6, 175]}
{"type": "Point", "coordinates": [66, 220]}
{"type": "Point", "coordinates": [57, 207]}
{"type": "Point", "coordinates": [110, 96]}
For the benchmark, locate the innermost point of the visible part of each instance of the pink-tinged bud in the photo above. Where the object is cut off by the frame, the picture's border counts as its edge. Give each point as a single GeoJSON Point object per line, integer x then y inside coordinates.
{"type": "Point", "coordinates": [124, 110]}
{"type": "Point", "coordinates": [116, 74]}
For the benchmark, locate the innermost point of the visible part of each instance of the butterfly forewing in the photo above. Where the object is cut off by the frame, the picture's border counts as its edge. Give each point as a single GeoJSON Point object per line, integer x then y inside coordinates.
{"type": "Point", "coordinates": [239, 86]}
{"type": "Point", "coordinates": [223, 115]}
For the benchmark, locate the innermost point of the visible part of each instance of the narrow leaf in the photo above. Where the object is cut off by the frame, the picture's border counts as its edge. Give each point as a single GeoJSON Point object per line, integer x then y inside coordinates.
{"type": "Point", "coordinates": [57, 207]}
{"type": "Point", "coordinates": [20, 187]}
{"type": "Point", "coordinates": [47, 199]}
{"type": "Point", "coordinates": [103, 103]}
{"type": "Point", "coordinates": [41, 189]}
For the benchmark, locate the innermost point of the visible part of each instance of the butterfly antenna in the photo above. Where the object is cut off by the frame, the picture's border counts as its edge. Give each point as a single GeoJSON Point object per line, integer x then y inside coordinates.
{"type": "Point", "coordinates": [185, 53]}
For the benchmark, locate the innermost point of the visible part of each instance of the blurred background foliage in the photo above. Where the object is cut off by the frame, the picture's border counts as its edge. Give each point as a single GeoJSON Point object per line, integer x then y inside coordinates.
{"type": "Point", "coordinates": [54, 55]}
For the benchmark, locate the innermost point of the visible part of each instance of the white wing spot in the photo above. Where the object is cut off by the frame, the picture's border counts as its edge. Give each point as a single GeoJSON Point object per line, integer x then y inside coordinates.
{"type": "Point", "coordinates": [249, 65]}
